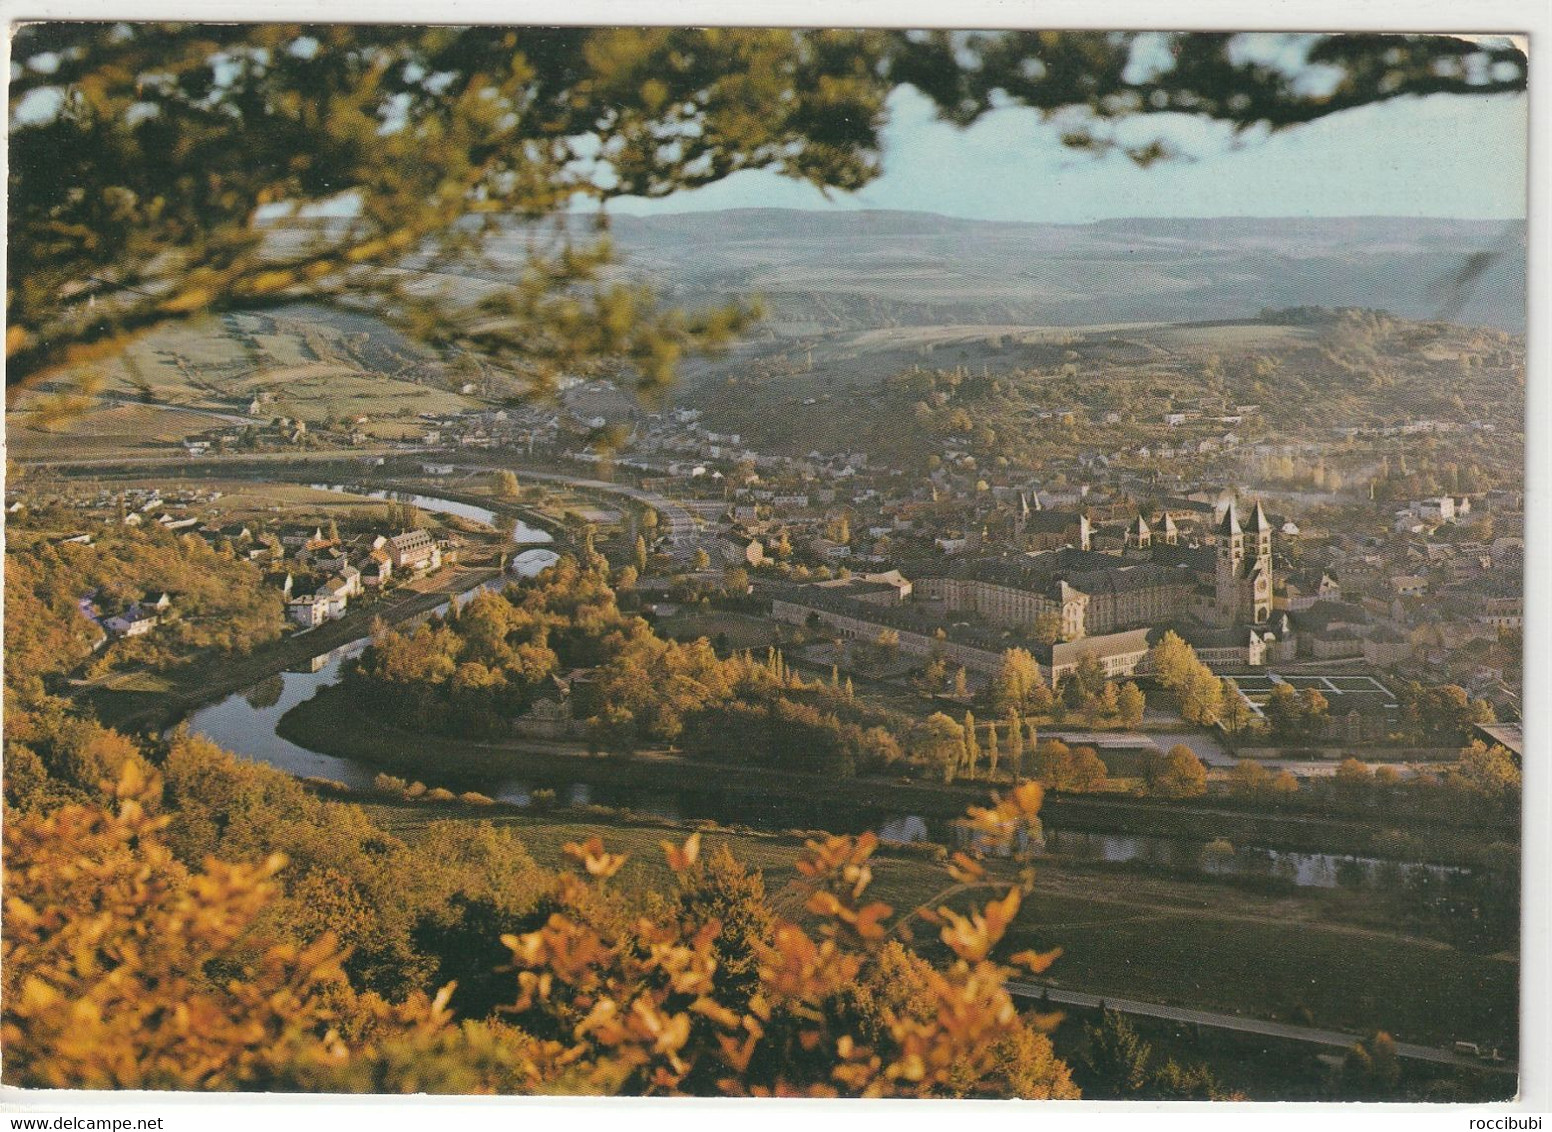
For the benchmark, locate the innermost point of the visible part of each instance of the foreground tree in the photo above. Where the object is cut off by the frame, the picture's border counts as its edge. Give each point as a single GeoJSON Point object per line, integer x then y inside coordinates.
{"type": "Point", "coordinates": [122, 968]}
{"type": "Point", "coordinates": [107, 943]}
{"type": "Point", "coordinates": [941, 744]}
{"type": "Point", "coordinates": [148, 161]}
{"type": "Point", "coordinates": [1117, 1064]}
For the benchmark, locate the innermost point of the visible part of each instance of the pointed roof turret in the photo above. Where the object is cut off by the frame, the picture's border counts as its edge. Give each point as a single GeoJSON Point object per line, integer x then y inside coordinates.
{"type": "Point", "coordinates": [1138, 527]}
{"type": "Point", "coordinates": [1258, 520]}
{"type": "Point", "coordinates": [1230, 524]}
{"type": "Point", "coordinates": [1169, 524]}
{"type": "Point", "coordinates": [1024, 504]}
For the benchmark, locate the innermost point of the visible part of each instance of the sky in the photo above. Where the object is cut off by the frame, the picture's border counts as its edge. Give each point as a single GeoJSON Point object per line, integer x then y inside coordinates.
{"type": "Point", "coordinates": [1443, 156]}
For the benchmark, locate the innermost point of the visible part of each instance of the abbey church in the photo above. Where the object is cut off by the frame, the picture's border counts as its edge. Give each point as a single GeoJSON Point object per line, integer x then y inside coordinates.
{"type": "Point", "coordinates": [1242, 570]}
{"type": "Point", "coordinates": [1212, 583]}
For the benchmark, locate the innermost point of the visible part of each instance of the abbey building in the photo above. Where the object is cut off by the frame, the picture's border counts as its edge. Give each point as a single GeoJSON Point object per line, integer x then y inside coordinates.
{"type": "Point", "coordinates": [1082, 593]}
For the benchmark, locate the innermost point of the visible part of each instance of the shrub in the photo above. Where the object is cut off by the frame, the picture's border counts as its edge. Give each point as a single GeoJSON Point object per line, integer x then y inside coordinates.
{"type": "Point", "coordinates": [121, 968]}
{"type": "Point", "coordinates": [391, 785]}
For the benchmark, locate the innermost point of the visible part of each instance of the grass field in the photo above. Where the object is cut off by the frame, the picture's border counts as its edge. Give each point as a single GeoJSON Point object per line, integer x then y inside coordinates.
{"type": "Point", "coordinates": [307, 362]}
{"type": "Point", "coordinates": [298, 501]}
{"type": "Point", "coordinates": [105, 429]}
{"type": "Point", "coordinates": [1191, 944]}
{"type": "Point", "coordinates": [742, 632]}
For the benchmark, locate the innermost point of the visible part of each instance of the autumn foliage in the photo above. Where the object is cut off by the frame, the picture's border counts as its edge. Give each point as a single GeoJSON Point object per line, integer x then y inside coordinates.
{"type": "Point", "coordinates": [108, 942]}
{"type": "Point", "coordinates": [125, 968]}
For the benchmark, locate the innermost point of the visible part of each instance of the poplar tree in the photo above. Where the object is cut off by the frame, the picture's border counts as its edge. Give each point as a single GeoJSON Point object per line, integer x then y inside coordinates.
{"type": "Point", "coordinates": [972, 745]}
{"type": "Point", "coordinates": [1015, 744]}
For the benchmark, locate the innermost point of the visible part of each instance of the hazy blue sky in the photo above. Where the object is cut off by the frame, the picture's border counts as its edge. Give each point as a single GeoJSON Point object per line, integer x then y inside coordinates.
{"type": "Point", "coordinates": [1437, 156]}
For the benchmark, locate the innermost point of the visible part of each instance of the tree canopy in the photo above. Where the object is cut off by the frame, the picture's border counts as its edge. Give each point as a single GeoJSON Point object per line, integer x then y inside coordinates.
{"type": "Point", "coordinates": [161, 171]}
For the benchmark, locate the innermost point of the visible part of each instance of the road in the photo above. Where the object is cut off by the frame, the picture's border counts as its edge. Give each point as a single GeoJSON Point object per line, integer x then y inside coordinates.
{"type": "Point", "coordinates": [215, 414]}
{"type": "Point", "coordinates": [219, 466]}
{"type": "Point", "coordinates": [1248, 1025]}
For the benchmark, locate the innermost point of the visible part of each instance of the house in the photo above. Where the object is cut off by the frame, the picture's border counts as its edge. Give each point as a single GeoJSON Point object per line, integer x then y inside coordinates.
{"type": "Point", "coordinates": [297, 538]}
{"type": "Point", "coordinates": [560, 706]}
{"type": "Point", "coordinates": [335, 592]}
{"type": "Point", "coordinates": [133, 622]}
{"type": "Point", "coordinates": [414, 550]}
{"type": "Point", "coordinates": [376, 569]}
{"type": "Point", "coordinates": [1386, 646]}
{"type": "Point", "coordinates": [308, 611]}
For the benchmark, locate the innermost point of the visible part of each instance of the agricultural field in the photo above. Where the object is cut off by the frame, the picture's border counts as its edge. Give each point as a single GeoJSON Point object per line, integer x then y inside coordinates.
{"type": "Point", "coordinates": [104, 429]}
{"type": "Point", "coordinates": [307, 363]}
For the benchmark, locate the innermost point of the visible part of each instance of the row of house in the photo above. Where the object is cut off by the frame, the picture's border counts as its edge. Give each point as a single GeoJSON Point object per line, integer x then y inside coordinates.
{"type": "Point", "coordinates": [349, 571]}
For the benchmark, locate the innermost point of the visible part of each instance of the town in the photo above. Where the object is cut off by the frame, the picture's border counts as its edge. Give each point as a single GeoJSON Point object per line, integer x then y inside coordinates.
{"type": "Point", "coordinates": [498, 602]}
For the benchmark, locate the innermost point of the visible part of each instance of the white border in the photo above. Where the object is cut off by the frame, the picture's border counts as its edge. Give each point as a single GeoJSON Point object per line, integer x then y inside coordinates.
{"type": "Point", "coordinates": [1531, 17]}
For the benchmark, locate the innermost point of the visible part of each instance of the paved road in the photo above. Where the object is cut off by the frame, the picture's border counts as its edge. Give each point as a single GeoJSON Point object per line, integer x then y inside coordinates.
{"type": "Point", "coordinates": [1199, 742]}
{"type": "Point", "coordinates": [219, 466]}
{"type": "Point", "coordinates": [1248, 1025]}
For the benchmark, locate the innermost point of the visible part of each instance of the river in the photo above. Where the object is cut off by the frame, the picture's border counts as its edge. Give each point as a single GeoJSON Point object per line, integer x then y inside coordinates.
{"type": "Point", "coordinates": [245, 724]}
{"type": "Point", "coordinates": [522, 533]}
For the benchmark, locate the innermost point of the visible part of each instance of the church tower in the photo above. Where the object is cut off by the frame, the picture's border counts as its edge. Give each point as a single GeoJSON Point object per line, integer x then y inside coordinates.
{"type": "Point", "coordinates": [1229, 564]}
{"type": "Point", "coordinates": [1259, 569]}
{"type": "Point", "coordinates": [1139, 537]}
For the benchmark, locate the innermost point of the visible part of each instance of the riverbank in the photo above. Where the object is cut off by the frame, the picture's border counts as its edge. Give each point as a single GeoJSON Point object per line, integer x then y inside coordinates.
{"type": "Point", "coordinates": [212, 678]}
{"type": "Point", "coordinates": [1314, 956]}
{"type": "Point", "coordinates": [331, 724]}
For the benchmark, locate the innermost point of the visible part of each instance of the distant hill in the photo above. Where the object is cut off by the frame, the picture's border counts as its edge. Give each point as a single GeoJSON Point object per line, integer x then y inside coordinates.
{"type": "Point", "coordinates": [1029, 394]}
{"type": "Point", "coordinates": [856, 297]}
{"type": "Point", "coordinates": [826, 272]}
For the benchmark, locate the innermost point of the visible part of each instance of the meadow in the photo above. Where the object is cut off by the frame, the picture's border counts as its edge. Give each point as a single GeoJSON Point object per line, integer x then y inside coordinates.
{"type": "Point", "coordinates": [1308, 956]}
